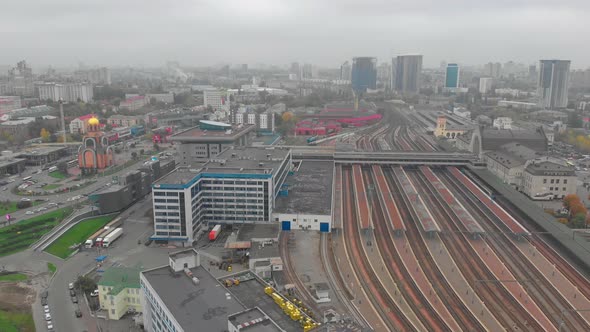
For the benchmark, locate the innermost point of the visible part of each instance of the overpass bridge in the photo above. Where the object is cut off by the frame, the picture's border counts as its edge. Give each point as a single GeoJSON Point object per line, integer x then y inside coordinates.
{"type": "Point", "coordinates": [387, 158]}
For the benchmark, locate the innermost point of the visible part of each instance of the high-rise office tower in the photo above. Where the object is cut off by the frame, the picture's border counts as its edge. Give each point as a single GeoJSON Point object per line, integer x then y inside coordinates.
{"type": "Point", "coordinates": [406, 72]}
{"type": "Point", "coordinates": [364, 74]}
{"type": "Point", "coordinates": [452, 76]}
{"type": "Point", "coordinates": [553, 83]}
{"type": "Point", "coordinates": [345, 71]}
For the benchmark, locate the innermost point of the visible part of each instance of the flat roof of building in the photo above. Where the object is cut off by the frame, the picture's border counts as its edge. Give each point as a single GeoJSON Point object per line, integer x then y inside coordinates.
{"type": "Point", "coordinates": [10, 162]}
{"type": "Point", "coordinates": [251, 294]}
{"type": "Point", "coordinates": [258, 232]}
{"type": "Point", "coordinates": [253, 320]}
{"type": "Point", "coordinates": [262, 250]}
{"type": "Point", "coordinates": [544, 167]}
{"type": "Point", "coordinates": [198, 135]}
{"type": "Point", "coordinates": [192, 305]}
{"type": "Point", "coordinates": [243, 160]}
{"type": "Point", "coordinates": [39, 151]}
{"type": "Point", "coordinates": [310, 189]}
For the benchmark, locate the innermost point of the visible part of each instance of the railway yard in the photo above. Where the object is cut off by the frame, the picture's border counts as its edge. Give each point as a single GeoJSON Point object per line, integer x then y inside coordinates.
{"type": "Point", "coordinates": [428, 248]}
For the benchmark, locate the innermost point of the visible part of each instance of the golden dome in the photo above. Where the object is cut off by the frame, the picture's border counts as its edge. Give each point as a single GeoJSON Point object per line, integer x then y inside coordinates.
{"type": "Point", "coordinates": [93, 121]}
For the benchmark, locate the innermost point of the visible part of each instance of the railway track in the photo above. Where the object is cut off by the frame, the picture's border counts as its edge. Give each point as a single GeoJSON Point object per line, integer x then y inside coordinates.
{"type": "Point", "coordinates": [541, 290]}
{"type": "Point", "coordinates": [501, 302]}
{"type": "Point", "coordinates": [463, 315]}
{"type": "Point", "coordinates": [383, 303]}
{"type": "Point", "coordinates": [417, 300]}
{"type": "Point", "coordinates": [292, 276]}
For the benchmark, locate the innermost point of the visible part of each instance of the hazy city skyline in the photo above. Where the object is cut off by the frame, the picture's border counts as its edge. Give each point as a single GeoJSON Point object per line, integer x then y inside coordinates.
{"type": "Point", "coordinates": [148, 33]}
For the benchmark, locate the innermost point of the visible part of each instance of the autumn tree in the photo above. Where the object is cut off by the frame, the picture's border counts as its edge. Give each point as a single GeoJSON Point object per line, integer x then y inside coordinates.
{"type": "Point", "coordinates": [287, 116]}
{"type": "Point", "coordinates": [45, 135]}
{"type": "Point", "coordinates": [570, 199]}
{"type": "Point", "coordinates": [577, 208]}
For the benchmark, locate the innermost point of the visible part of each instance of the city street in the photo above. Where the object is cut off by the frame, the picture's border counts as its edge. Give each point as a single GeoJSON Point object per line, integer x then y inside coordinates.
{"type": "Point", "coordinates": [100, 183]}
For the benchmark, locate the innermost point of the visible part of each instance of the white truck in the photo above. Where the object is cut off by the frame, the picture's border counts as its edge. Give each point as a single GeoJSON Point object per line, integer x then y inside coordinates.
{"type": "Point", "coordinates": [112, 237]}
{"type": "Point", "coordinates": [97, 237]}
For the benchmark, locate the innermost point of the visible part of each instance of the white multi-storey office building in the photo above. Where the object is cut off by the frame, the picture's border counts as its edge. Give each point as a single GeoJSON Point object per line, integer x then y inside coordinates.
{"type": "Point", "coordinates": [237, 186]}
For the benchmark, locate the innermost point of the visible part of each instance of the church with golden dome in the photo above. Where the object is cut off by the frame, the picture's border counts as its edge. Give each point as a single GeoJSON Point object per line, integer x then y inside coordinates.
{"type": "Point", "coordinates": [95, 153]}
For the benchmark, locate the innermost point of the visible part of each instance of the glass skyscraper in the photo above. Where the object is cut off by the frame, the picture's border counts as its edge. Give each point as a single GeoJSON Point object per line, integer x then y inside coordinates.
{"type": "Point", "coordinates": [407, 70]}
{"type": "Point", "coordinates": [364, 74]}
{"type": "Point", "coordinates": [452, 76]}
{"type": "Point", "coordinates": [553, 83]}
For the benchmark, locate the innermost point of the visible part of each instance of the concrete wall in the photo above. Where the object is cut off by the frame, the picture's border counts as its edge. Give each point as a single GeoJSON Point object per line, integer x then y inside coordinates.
{"type": "Point", "coordinates": [304, 221]}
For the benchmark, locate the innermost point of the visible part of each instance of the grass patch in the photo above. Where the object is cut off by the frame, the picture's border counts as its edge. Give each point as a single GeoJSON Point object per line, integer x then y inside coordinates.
{"type": "Point", "coordinates": [7, 207]}
{"type": "Point", "coordinates": [51, 186]}
{"type": "Point", "coordinates": [51, 267]}
{"type": "Point", "coordinates": [13, 277]}
{"type": "Point", "coordinates": [16, 321]}
{"type": "Point", "coordinates": [77, 234]}
{"type": "Point", "coordinates": [10, 207]}
{"type": "Point", "coordinates": [58, 175]}
{"type": "Point", "coordinates": [19, 236]}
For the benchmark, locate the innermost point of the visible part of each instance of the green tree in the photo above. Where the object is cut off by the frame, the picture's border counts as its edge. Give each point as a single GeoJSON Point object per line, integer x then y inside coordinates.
{"type": "Point", "coordinates": [86, 284]}
{"type": "Point", "coordinates": [62, 167]}
{"type": "Point", "coordinates": [578, 221]}
{"type": "Point", "coordinates": [574, 120]}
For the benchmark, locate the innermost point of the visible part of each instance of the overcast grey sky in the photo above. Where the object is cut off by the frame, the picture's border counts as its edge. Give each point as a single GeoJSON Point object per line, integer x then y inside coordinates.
{"type": "Point", "coordinates": [324, 32]}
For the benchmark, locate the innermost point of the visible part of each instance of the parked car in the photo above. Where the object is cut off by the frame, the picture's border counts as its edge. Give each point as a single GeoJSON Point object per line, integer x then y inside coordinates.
{"type": "Point", "coordinates": [44, 294]}
{"type": "Point", "coordinates": [46, 309]}
{"type": "Point", "coordinates": [43, 301]}
{"type": "Point", "coordinates": [74, 299]}
{"type": "Point", "coordinates": [71, 285]}
{"type": "Point", "coordinates": [78, 313]}
{"type": "Point", "coordinates": [47, 316]}
{"type": "Point", "coordinates": [72, 292]}
{"type": "Point", "coordinates": [94, 293]}
{"type": "Point", "coordinates": [24, 199]}
{"type": "Point", "coordinates": [30, 212]}
{"type": "Point", "coordinates": [49, 326]}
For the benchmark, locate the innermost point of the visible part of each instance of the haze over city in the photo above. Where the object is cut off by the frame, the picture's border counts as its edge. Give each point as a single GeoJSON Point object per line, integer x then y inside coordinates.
{"type": "Point", "coordinates": [200, 33]}
{"type": "Point", "coordinates": [294, 166]}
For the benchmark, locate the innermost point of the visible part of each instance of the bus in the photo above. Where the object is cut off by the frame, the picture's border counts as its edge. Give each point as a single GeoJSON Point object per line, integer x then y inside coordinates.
{"type": "Point", "coordinates": [73, 163]}
{"type": "Point", "coordinates": [52, 169]}
{"type": "Point", "coordinates": [27, 178]}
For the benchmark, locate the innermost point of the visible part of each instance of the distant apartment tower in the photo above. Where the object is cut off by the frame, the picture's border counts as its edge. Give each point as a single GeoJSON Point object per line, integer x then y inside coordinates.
{"type": "Point", "coordinates": [20, 80]}
{"type": "Point", "coordinates": [485, 84]}
{"type": "Point", "coordinates": [95, 76]}
{"type": "Point", "coordinates": [68, 92]}
{"type": "Point", "coordinates": [217, 99]}
{"type": "Point", "coordinates": [309, 71]}
{"type": "Point", "coordinates": [452, 76]}
{"type": "Point", "coordinates": [406, 72]}
{"type": "Point", "coordinates": [553, 83]}
{"type": "Point", "coordinates": [364, 74]}
{"type": "Point", "coordinates": [493, 69]}
{"type": "Point", "coordinates": [345, 71]}
{"type": "Point", "coordinates": [264, 121]}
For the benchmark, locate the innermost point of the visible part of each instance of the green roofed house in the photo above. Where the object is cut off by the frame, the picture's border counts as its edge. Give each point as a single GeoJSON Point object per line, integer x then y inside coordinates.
{"type": "Point", "coordinates": [118, 291]}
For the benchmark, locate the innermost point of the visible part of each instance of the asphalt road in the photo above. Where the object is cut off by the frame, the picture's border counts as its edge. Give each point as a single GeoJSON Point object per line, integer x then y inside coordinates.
{"type": "Point", "coordinates": [57, 198]}
{"type": "Point", "coordinates": [126, 251]}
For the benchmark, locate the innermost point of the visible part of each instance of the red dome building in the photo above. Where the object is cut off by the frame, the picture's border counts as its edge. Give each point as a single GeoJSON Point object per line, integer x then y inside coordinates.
{"type": "Point", "coordinates": [95, 153]}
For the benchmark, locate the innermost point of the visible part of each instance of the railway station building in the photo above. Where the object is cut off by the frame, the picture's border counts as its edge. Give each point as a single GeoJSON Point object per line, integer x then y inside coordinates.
{"type": "Point", "coordinates": [238, 186]}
